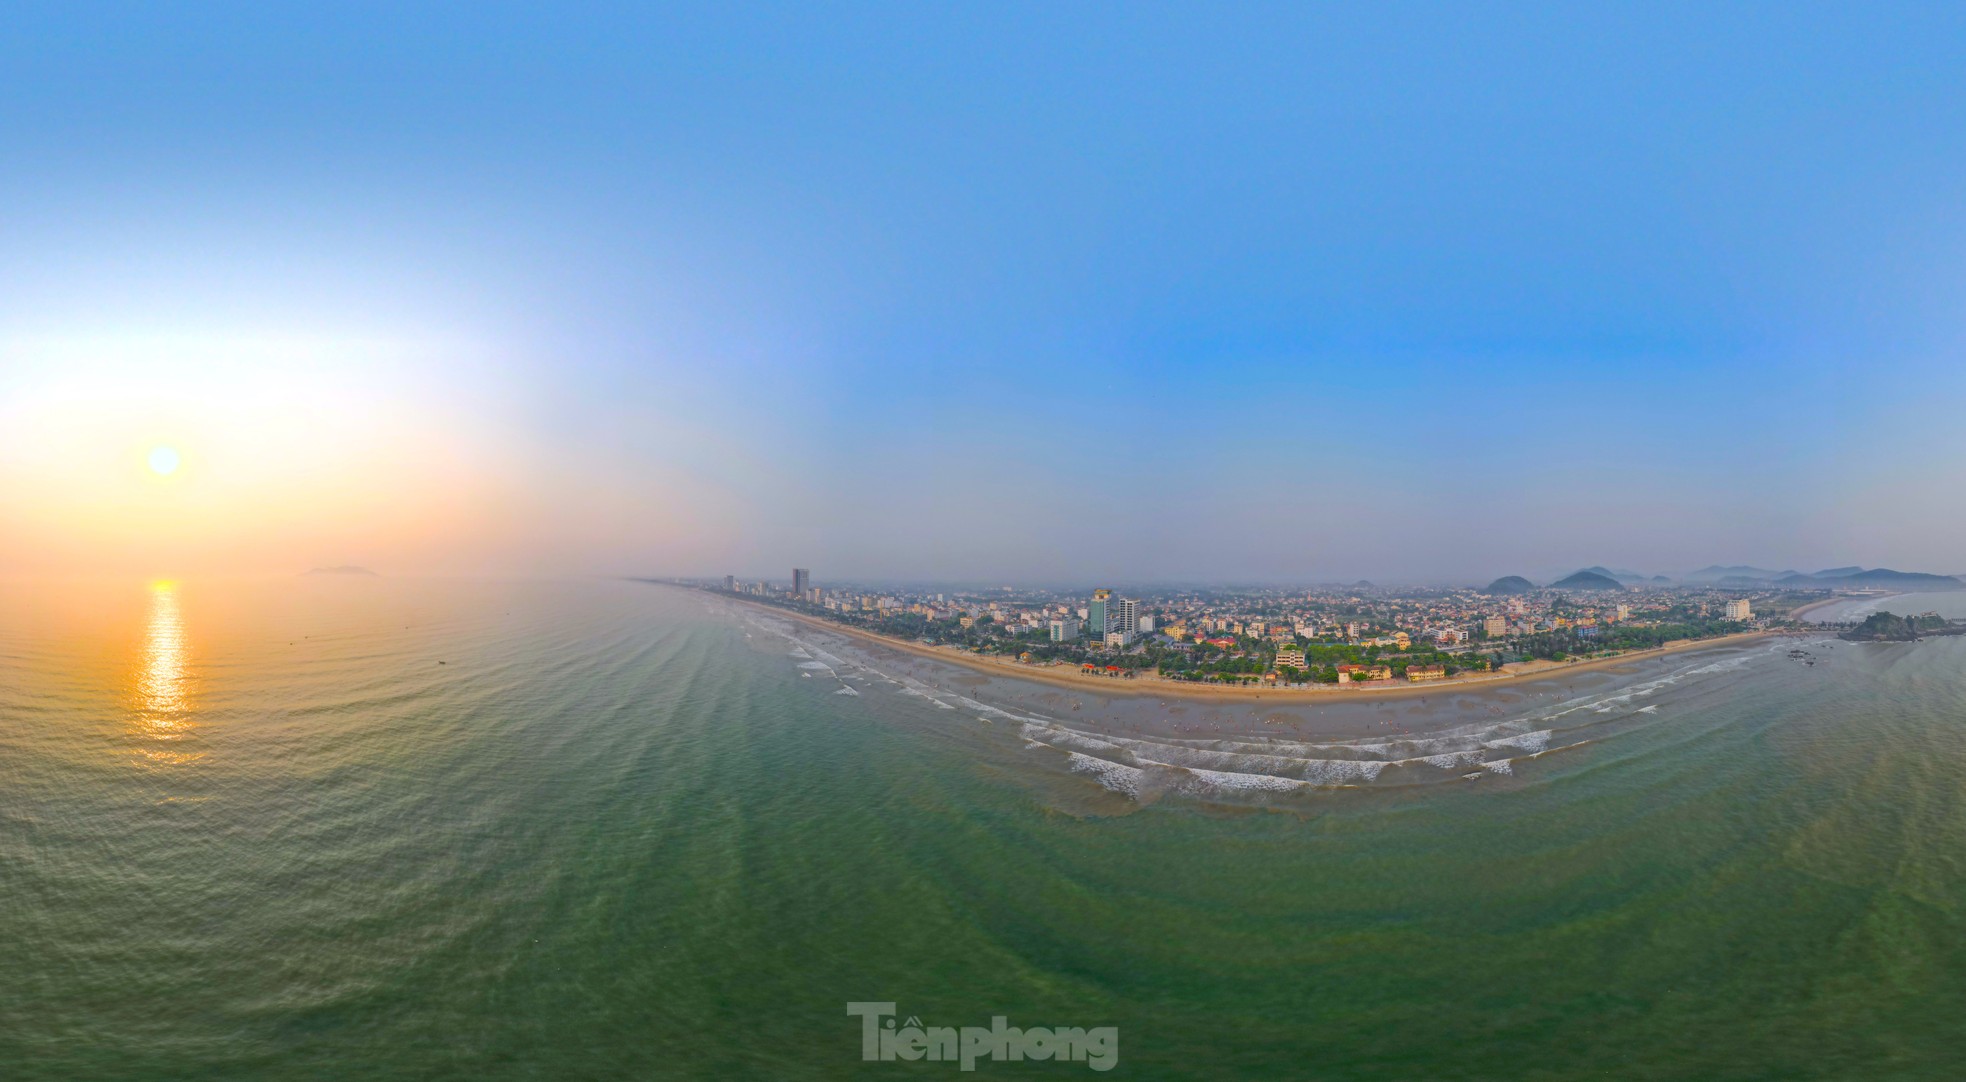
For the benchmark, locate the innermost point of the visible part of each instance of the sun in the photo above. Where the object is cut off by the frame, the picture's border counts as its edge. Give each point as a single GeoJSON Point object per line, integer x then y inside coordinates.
{"type": "Point", "coordinates": [163, 461]}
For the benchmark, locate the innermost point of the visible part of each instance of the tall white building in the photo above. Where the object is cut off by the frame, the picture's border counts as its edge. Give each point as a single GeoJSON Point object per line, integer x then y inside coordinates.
{"type": "Point", "coordinates": [1740, 610]}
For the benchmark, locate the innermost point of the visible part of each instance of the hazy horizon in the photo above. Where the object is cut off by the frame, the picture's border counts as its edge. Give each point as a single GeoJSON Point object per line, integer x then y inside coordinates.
{"type": "Point", "coordinates": [1541, 579]}
{"type": "Point", "coordinates": [1026, 295]}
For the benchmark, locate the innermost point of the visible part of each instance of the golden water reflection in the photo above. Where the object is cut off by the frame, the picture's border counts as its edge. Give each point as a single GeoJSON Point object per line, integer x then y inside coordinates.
{"type": "Point", "coordinates": [162, 718]}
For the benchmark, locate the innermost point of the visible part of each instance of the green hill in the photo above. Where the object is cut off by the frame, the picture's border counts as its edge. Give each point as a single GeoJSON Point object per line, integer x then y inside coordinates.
{"type": "Point", "coordinates": [1510, 584]}
{"type": "Point", "coordinates": [1886, 627]}
{"type": "Point", "coordinates": [1587, 580]}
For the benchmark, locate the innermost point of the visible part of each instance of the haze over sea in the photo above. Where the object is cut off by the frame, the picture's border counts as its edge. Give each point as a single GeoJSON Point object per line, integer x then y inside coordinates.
{"type": "Point", "coordinates": [382, 828]}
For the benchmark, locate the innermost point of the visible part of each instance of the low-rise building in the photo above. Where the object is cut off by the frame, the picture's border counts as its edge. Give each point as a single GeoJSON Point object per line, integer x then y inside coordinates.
{"type": "Point", "coordinates": [1420, 673]}
{"type": "Point", "coordinates": [1354, 674]}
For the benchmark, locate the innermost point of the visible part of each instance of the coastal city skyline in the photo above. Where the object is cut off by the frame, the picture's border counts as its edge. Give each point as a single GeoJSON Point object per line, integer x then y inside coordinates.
{"type": "Point", "coordinates": [1357, 638]}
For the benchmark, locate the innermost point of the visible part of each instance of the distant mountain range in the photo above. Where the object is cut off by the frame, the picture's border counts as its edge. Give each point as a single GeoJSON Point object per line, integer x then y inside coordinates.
{"type": "Point", "coordinates": [1588, 580]}
{"type": "Point", "coordinates": [1737, 573]}
{"type": "Point", "coordinates": [347, 569]}
{"type": "Point", "coordinates": [1633, 578]}
{"type": "Point", "coordinates": [1908, 581]}
{"type": "Point", "coordinates": [1852, 577]}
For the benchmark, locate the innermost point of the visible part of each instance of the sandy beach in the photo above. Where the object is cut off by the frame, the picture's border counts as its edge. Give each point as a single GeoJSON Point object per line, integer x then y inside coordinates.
{"type": "Point", "coordinates": [1835, 600]}
{"type": "Point", "coordinates": [1157, 687]}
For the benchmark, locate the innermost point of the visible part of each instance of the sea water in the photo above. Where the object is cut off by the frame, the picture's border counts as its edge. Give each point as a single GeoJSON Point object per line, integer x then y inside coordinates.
{"type": "Point", "coordinates": [371, 828]}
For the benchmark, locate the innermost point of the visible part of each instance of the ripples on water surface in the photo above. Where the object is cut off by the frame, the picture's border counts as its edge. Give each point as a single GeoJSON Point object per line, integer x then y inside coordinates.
{"type": "Point", "coordinates": [379, 829]}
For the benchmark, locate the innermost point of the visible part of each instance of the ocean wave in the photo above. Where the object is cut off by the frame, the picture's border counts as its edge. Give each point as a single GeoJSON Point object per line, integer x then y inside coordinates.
{"type": "Point", "coordinates": [1136, 782]}
{"type": "Point", "coordinates": [1118, 778]}
{"type": "Point", "coordinates": [986, 708]}
{"type": "Point", "coordinates": [1532, 742]}
{"type": "Point", "coordinates": [1234, 768]}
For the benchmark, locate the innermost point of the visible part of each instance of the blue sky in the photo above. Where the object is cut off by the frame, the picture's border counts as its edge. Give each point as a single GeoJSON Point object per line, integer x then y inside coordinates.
{"type": "Point", "coordinates": [1062, 292]}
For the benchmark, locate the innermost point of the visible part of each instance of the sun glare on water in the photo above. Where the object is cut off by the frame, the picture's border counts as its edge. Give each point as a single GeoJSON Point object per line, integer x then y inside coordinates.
{"type": "Point", "coordinates": [162, 719]}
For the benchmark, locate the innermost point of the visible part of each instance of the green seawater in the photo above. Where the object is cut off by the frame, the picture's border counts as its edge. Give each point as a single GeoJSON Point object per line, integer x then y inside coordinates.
{"type": "Point", "coordinates": [377, 829]}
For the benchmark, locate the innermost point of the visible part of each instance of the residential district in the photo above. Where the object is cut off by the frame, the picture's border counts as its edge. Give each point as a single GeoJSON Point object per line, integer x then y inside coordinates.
{"type": "Point", "coordinates": [1330, 635]}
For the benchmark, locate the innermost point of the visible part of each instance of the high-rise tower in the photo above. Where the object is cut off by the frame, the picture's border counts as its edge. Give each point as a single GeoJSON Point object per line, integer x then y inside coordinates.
{"type": "Point", "coordinates": [1098, 617]}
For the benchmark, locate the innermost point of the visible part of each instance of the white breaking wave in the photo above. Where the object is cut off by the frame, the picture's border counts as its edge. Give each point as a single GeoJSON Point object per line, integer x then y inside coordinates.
{"type": "Point", "coordinates": [1536, 741]}
{"type": "Point", "coordinates": [1453, 760]}
{"type": "Point", "coordinates": [1120, 779]}
{"type": "Point", "coordinates": [1131, 780]}
{"type": "Point", "coordinates": [986, 708]}
{"type": "Point", "coordinates": [1461, 738]}
{"type": "Point", "coordinates": [911, 686]}
{"type": "Point", "coordinates": [1282, 773]}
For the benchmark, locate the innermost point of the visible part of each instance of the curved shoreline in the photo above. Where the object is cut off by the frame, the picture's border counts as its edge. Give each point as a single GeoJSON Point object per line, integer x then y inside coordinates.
{"type": "Point", "coordinates": [1837, 600]}
{"type": "Point", "coordinates": [1160, 687]}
